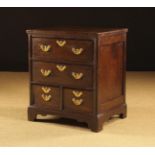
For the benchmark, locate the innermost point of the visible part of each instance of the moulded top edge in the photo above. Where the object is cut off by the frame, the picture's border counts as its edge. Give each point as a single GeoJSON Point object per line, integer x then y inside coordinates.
{"type": "Point", "coordinates": [77, 30]}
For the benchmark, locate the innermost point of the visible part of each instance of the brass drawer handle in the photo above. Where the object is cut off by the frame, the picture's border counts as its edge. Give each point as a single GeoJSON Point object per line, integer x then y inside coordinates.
{"type": "Point", "coordinates": [77, 93]}
{"type": "Point", "coordinates": [45, 48]}
{"type": "Point", "coordinates": [61, 67]}
{"type": "Point", "coordinates": [46, 90]}
{"type": "Point", "coordinates": [77, 51]}
{"type": "Point", "coordinates": [77, 101]}
{"type": "Point", "coordinates": [61, 43]}
{"type": "Point", "coordinates": [46, 97]}
{"type": "Point", "coordinates": [45, 72]}
{"type": "Point", "coordinates": [77, 76]}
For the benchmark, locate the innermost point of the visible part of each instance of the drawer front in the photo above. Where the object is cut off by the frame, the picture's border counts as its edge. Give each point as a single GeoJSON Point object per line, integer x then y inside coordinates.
{"type": "Point", "coordinates": [46, 97]}
{"type": "Point", "coordinates": [76, 100]}
{"type": "Point", "coordinates": [60, 74]}
{"type": "Point", "coordinates": [61, 49]}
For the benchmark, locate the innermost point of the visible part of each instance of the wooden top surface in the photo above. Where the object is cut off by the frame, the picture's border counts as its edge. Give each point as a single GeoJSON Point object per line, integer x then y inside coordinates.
{"type": "Point", "coordinates": [93, 30]}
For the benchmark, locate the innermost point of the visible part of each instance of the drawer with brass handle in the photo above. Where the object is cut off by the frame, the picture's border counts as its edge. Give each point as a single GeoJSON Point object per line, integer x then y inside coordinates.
{"type": "Point", "coordinates": [62, 49]}
{"type": "Point", "coordinates": [45, 96]}
{"type": "Point", "coordinates": [78, 100]}
{"type": "Point", "coordinates": [67, 75]}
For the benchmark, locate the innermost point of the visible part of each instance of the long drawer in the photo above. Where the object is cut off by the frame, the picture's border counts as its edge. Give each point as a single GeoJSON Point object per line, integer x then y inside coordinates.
{"type": "Point", "coordinates": [61, 74]}
{"type": "Point", "coordinates": [60, 49]}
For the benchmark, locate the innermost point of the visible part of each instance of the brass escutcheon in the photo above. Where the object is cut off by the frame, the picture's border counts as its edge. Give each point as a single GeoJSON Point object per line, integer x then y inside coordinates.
{"type": "Point", "coordinates": [61, 43]}
{"type": "Point", "coordinates": [61, 67]}
{"type": "Point", "coordinates": [46, 90]}
{"type": "Point", "coordinates": [77, 93]}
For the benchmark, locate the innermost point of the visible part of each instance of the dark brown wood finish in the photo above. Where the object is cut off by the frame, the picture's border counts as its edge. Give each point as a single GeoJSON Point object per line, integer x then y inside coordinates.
{"type": "Point", "coordinates": [52, 94]}
{"type": "Point", "coordinates": [87, 101]}
{"type": "Point", "coordinates": [63, 53]}
{"type": "Point", "coordinates": [63, 77]}
{"type": "Point", "coordinates": [77, 73]}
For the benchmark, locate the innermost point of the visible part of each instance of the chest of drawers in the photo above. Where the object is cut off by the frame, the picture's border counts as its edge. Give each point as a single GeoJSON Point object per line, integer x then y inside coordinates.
{"type": "Point", "coordinates": [77, 73]}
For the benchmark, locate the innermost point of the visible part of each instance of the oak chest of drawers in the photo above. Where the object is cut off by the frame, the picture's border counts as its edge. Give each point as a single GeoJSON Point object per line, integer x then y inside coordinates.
{"type": "Point", "coordinates": [77, 73]}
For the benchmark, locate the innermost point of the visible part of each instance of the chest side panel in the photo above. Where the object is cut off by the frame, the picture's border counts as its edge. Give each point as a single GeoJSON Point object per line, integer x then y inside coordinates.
{"type": "Point", "coordinates": [111, 71]}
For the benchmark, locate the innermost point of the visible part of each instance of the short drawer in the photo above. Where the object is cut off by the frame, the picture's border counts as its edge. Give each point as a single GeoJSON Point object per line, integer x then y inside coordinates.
{"type": "Point", "coordinates": [61, 74]}
{"type": "Point", "coordinates": [46, 97]}
{"type": "Point", "coordinates": [78, 101]}
{"type": "Point", "coordinates": [62, 49]}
